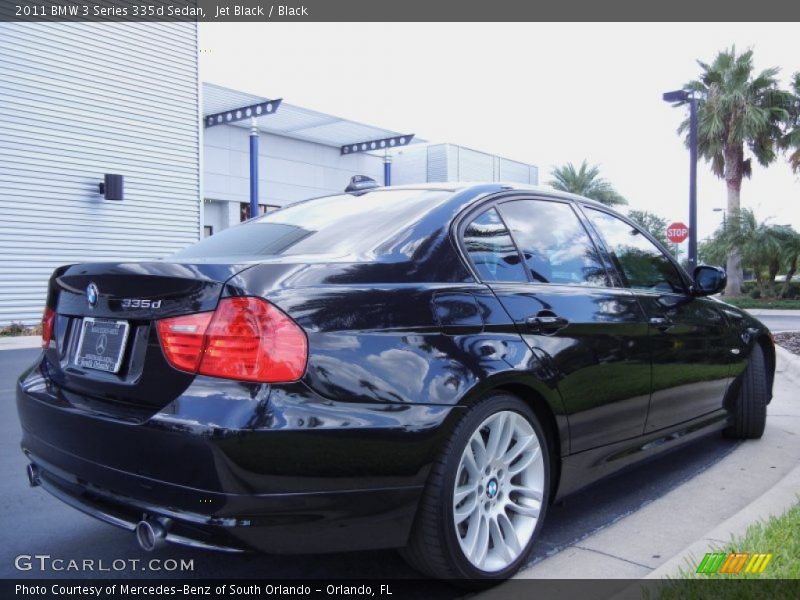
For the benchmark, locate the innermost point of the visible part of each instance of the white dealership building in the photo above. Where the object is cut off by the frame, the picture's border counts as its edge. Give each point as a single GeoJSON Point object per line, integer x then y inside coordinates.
{"type": "Point", "coordinates": [84, 100]}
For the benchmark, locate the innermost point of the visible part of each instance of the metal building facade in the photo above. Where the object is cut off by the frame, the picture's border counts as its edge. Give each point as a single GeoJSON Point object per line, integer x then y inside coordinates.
{"type": "Point", "coordinates": [450, 162]}
{"type": "Point", "coordinates": [77, 101]}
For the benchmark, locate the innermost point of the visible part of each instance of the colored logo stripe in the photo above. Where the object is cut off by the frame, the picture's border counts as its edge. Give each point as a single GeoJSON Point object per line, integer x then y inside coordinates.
{"type": "Point", "coordinates": [734, 562]}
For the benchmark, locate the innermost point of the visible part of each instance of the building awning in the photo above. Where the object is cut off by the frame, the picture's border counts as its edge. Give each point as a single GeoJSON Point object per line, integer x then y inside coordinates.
{"type": "Point", "coordinates": [295, 121]}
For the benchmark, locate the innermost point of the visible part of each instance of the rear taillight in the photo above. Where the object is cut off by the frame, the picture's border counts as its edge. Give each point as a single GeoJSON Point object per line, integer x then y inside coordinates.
{"type": "Point", "coordinates": [245, 338]}
{"type": "Point", "coordinates": [48, 322]}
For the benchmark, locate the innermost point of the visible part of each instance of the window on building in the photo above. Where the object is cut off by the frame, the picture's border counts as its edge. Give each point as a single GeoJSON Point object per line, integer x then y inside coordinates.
{"type": "Point", "coordinates": [208, 230]}
{"type": "Point", "coordinates": [641, 263]}
{"type": "Point", "coordinates": [553, 242]}
{"type": "Point", "coordinates": [244, 210]}
{"type": "Point", "coordinates": [491, 250]}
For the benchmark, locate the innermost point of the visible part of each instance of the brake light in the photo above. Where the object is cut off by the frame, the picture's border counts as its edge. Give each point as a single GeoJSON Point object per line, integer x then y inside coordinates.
{"type": "Point", "coordinates": [48, 323]}
{"type": "Point", "coordinates": [246, 338]}
{"type": "Point", "coordinates": [183, 338]}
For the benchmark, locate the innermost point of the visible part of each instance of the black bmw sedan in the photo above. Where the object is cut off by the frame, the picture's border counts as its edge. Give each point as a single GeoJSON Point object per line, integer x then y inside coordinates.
{"type": "Point", "coordinates": [424, 368]}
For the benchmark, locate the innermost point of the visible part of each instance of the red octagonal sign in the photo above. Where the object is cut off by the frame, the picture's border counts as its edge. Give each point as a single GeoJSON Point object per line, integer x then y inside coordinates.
{"type": "Point", "coordinates": [677, 232]}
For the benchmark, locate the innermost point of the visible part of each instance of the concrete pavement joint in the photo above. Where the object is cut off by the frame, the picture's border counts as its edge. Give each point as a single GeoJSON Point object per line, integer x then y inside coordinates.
{"type": "Point", "coordinates": [633, 562]}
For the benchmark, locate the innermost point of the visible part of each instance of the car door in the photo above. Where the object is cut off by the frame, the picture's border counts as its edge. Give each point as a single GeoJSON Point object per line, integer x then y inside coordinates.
{"type": "Point", "coordinates": [689, 335]}
{"type": "Point", "coordinates": [539, 260]}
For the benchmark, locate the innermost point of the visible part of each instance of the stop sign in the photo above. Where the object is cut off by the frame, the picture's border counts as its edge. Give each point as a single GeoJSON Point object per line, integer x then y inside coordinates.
{"type": "Point", "coordinates": [677, 232]}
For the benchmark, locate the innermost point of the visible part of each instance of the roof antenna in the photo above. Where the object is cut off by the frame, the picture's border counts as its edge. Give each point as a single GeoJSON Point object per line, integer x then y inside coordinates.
{"type": "Point", "coordinates": [360, 184]}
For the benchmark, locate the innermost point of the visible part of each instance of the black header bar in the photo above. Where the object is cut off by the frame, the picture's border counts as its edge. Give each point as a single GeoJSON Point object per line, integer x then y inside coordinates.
{"type": "Point", "coordinates": [401, 10]}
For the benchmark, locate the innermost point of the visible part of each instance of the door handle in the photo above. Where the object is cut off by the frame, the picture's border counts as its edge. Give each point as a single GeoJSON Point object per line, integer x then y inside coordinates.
{"type": "Point", "coordinates": [662, 323]}
{"type": "Point", "coordinates": [546, 323]}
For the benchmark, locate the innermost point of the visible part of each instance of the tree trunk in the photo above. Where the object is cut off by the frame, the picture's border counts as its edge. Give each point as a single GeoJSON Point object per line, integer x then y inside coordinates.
{"type": "Point", "coordinates": [774, 267]}
{"type": "Point", "coordinates": [789, 275]}
{"type": "Point", "coordinates": [734, 158]}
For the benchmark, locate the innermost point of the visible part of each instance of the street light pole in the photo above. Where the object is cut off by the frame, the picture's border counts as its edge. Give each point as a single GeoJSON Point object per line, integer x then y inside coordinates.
{"type": "Point", "coordinates": [681, 97]}
{"type": "Point", "coordinates": [692, 183]}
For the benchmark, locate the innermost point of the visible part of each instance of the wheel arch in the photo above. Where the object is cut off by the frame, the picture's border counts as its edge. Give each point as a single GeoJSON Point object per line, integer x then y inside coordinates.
{"type": "Point", "coordinates": [768, 347]}
{"type": "Point", "coordinates": [546, 405]}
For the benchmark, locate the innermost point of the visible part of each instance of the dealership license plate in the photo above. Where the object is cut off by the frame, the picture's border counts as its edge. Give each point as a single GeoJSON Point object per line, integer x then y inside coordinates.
{"type": "Point", "coordinates": [102, 344]}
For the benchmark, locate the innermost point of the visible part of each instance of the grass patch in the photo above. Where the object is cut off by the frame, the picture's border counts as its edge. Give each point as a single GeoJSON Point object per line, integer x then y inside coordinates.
{"type": "Point", "coordinates": [777, 303]}
{"type": "Point", "coordinates": [16, 329]}
{"type": "Point", "coordinates": [779, 536]}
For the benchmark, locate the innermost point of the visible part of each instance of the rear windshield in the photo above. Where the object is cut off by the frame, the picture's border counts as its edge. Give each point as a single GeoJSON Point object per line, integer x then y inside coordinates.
{"type": "Point", "coordinates": [339, 225]}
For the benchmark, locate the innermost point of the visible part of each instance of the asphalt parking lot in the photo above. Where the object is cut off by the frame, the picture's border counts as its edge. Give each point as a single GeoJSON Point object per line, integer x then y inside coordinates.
{"type": "Point", "coordinates": [34, 523]}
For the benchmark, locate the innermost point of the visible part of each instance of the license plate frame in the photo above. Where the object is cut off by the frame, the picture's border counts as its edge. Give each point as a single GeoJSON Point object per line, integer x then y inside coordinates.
{"type": "Point", "coordinates": [100, 362]}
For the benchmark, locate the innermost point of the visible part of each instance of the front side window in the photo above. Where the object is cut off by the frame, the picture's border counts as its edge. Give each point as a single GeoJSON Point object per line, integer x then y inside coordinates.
{"type": "Point", "coordinates": [553, 242]}
{"type": "Point", "coordinates": [491, 250]}
{"type": "Point", "coordinates": [643, 265]}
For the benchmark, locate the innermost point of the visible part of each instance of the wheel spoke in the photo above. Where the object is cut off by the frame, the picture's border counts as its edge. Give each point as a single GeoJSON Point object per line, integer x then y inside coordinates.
{"type": "Point", "coordinates": [481, 542]}
{"type": "Point", "coordinates": [522, 444]}
{"type": "Point", "coordinates": [497, 431]}
{"type": "Point", "coordinates": [479, 451]}
{"type": "Point", "coordinates": [469, 463]}
{"type": "Point", "coordinates": [526, 492]}
{"type": "Point", "coordinates": [524, 509]}
{"type": "Point", "coordinates": [498, 542]}
{"type": "Point", "coordinates": [505, 439]}
{"type": "Point", "coordinates": [524, 461]}
{"type": "Point", "coordinates": [469, 505]}
{"type": "Point", "coordinates": [509, 534]}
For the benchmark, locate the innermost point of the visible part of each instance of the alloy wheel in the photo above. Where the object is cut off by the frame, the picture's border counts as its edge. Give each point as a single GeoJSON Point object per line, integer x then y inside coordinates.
{"type": "Point", "coordinates": [499, 491]}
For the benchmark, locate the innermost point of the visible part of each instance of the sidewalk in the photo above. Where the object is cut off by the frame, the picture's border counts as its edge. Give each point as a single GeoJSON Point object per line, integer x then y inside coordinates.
{"type": "Point", "coordinates": [20, 342]}
{"type": "Point", "coordinates": [758, 479]}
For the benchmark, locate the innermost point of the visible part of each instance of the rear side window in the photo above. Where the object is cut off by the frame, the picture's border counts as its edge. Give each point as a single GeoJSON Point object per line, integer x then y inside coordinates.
{"type": "Point", "coordinates": [553, 242]}
{"type": "Point", "coordinates": [639, 260]}
{"type": "Point", "coordinates": [491, 250]}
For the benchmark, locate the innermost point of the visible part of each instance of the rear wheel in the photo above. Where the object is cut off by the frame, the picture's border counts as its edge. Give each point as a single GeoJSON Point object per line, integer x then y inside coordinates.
{"type": "Point", "coordinates": [750, 407]}
{"type": "Point", "coordinates": [486, 497]}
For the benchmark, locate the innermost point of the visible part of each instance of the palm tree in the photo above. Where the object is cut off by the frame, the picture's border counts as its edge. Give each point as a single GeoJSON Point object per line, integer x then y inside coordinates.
{"type": "Point", "coordinates": [736, 109]}
{"type": "Point", "coordinates": [586, 182]}
{"type": "Point", "coordinates": [765, 248]}
{"type": "Point", "coordinates": [791, 255]}
{"type": "Point", "coordinates": [791, 140]}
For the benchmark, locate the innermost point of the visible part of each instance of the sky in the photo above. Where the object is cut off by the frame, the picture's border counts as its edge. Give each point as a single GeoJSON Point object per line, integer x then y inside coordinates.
{"type": "Point", "coordinates": [541, 93]}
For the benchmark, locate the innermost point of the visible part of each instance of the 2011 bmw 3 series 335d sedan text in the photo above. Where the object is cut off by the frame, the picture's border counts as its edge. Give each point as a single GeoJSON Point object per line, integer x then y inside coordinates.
{"type": "Point", "coordinates": [423, 368]}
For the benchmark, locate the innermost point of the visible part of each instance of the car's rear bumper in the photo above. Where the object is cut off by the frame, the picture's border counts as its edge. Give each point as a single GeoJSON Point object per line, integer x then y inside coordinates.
{"type": "Point", "coordinates": [282, 471]}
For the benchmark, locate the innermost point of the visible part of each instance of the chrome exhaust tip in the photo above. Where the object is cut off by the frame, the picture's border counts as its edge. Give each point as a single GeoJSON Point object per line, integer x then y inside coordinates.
{"type": "Point", "coordinates": [150, 534]}
{"type": "Point", "coordinates": [33, 475]}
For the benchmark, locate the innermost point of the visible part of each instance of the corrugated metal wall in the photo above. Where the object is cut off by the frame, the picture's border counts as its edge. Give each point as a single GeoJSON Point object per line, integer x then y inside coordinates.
{"type": "Point", "coordinates": [78, 100]}
{"type": "Point", "coordinates": [449, 162]}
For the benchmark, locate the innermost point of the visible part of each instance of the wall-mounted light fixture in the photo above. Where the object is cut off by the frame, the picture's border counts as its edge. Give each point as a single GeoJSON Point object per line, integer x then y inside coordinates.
{"type": "Point", "coordinates": [113, 187]}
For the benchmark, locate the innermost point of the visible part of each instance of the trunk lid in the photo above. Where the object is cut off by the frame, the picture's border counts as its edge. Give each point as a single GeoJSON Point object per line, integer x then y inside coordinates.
{"type": "Point", "coordinates": [106, 353]}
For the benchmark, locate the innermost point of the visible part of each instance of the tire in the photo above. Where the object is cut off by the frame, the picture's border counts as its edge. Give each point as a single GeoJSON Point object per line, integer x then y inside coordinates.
{"type": "Point", "coordinates": [437, 545]}
{"type": "Point", "coordinates": [750, 407]}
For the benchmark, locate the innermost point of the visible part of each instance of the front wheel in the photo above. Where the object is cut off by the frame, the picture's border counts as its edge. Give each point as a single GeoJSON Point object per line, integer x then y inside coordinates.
{"type": "Point", "coordinates": [749, 414]}
{"type": "Point", "coordinates": [486, 497]}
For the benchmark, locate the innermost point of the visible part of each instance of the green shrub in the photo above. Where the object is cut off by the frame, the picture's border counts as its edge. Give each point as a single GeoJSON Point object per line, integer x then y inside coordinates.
{"type": "Point", "coordinates": [755, 293]}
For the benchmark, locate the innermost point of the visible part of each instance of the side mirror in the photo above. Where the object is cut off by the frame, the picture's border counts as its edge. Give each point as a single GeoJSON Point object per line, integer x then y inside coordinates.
{"type": "Point", "coordinates": [708, 280]}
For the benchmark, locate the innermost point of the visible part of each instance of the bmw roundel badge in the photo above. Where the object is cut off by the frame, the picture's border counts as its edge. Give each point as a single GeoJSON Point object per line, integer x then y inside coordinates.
{"type": "Point", "coordinates": [92, 294]}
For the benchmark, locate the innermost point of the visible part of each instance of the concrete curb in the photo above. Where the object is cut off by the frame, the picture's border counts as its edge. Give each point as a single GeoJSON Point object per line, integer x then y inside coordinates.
{"type": "Point", "coordinates": [773, 503]}
{"type": "Point", "coordinates": [757, 312]}
{"type": "Point", "coordinates": [790, 357]}
{"type": "Point", "coordinates": [21, 342]}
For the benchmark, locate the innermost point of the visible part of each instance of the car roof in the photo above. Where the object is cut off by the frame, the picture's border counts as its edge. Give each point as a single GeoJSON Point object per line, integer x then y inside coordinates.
{"type": "Point", "coordinates": [459, 186]}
